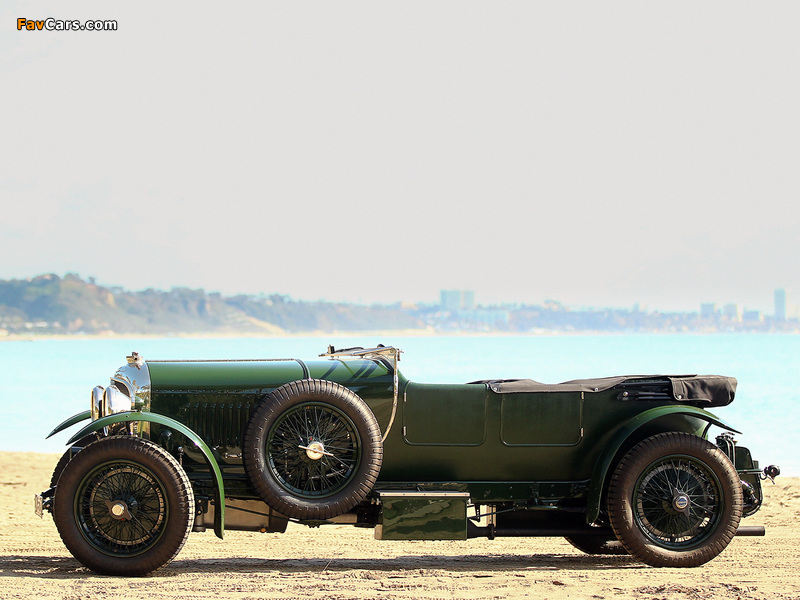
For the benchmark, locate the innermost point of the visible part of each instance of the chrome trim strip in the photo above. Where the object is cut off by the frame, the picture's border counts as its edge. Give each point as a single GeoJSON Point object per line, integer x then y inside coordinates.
{"type": "Point", "coordinates": [400, 494]}
{"type": "Point", "coordinates": [395, 355]}
{"type": "Point", "coordinates": [388, 355]}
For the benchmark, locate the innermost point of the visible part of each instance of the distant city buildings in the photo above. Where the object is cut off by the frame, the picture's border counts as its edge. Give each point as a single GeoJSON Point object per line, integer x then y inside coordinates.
{"type": "Point", "coordinates": [751, 316]}
{"type": "Point", "coordinates": [709, 310]}
{"type": "Point", "coordinates": [459, 313]}
{"type": "Point", "coordinates": [28, 307]}
{"type": "Point", "coordinates": [732, 312]}
{"type": "Point", "coordinates": [456, 300]}
{"type": "Point", "coordinates": [780, 305]}
{"type": "Point", "coordinates": [784, 317]}
{"type": "Point", "coordinates": [468, 297]}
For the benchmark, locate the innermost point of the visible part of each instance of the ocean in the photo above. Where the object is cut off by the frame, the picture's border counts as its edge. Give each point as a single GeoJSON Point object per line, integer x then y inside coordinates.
{"type": "Point", "coordinates": [44, 381]}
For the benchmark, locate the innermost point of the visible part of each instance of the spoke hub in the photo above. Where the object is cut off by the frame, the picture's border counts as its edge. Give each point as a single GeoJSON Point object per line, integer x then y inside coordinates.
{"type": "Point", "coordinates": [680, 502]}
{"type": "Point", "coordinates": [315, 450]}
{"type": "Point", "coordinates": [118, 510]}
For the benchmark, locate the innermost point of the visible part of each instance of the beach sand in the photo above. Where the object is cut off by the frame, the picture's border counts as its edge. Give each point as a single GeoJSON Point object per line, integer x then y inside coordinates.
{"type": "Point", "coordinates": [340, 562]}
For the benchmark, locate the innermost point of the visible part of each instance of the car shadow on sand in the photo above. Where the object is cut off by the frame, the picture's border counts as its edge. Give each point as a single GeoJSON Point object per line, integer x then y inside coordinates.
{"type": "Point", "coordinates": [48, 567]}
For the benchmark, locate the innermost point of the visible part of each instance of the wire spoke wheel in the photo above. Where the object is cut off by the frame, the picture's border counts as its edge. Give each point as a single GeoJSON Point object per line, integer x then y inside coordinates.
{"type": "Point", "coordinates": [123, 506]}
{"type": "Point", "coordinates": [678, 502]}
{"type": "Point", "coordinates": [313, 450]}
{"type": "Point", "coordinates": [675, 500]}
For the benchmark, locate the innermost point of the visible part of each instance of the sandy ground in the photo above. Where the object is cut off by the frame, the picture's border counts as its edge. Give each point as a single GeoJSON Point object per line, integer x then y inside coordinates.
{"type": "Point", "coordinates": [342, 562]}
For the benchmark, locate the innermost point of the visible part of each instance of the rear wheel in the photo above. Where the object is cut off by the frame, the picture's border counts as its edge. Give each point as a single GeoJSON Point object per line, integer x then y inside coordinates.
{"type": "Point", "coordinates": [675, 500]}
{"type": "Point", "coordinates": [123, 506]}
{"type": "Point", "coordinates": [313, 449]}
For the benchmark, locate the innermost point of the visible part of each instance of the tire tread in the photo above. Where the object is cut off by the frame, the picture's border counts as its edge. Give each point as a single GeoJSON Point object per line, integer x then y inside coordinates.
{"type": "Point", "coordinates": [621, 512]}
{"type": "Point", "coordinates": [155, 458]}
{"type": "Point", "coordinates": [254, 454]}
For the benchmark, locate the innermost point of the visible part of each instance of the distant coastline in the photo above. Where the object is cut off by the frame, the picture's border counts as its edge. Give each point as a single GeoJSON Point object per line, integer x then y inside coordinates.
{"type": "Point", "coordinates": [70, 307]}
{"type": "Point", "coordinates": [21, 337]}
{"type": "Point", "coordinates": [386, 334]}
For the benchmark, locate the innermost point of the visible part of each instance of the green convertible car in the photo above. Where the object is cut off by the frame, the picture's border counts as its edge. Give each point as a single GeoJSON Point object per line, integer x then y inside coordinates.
{"type": "Point", "coordinates": [619, 465]}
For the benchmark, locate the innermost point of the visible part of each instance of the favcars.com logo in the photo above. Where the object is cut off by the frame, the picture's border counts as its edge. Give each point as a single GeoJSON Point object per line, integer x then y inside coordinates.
{"type": "Point", "coordinates": [65, 25]}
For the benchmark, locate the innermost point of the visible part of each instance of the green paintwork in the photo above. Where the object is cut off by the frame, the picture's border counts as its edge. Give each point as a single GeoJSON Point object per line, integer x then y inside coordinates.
{"type": "Point", "coordinates": [216, 398]}
{"type": "Point", "coordinates": [543, 420]}
{"type": "Point", "coordinates": [83, 416]}
{"type": "Point", "coordinates": [222, 375]}
{"type": "Point", "coordinates": [126, 417]}
{"type": "Point", "coordinates": [498, 446]}
{"type": "Point", "coordinates": [550, 448]}
{"type": "Point", "coordinates": [423, 516]}
{"type": "Point", "coordinates": [542, 451]}
{"type": "Point", "coordinates": [610, 456]}
{"type": "Point", "coordinates": [429, 410]}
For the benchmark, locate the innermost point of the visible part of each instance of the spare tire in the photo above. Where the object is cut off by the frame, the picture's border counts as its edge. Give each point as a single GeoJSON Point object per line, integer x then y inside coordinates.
{"type": "Point", "coordinates": [312, 449]}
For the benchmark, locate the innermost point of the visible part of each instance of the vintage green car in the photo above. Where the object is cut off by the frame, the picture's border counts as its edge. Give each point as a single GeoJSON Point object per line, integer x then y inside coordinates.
{"type": "Point", "coordinates": [616, 465]}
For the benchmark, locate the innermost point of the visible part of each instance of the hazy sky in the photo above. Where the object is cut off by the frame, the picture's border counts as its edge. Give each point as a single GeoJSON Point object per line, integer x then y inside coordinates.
{"type": "Point", "coordinates": [599, 154]}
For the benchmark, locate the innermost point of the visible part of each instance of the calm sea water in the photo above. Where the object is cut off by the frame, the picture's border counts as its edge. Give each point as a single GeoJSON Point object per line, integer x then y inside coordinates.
{"type": "Point", "coordinates": [44, 381]}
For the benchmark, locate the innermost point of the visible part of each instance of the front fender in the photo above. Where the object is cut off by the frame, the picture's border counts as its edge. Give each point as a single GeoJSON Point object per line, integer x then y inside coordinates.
{"type": "Point", "coordinates": [219, 490]}
{"type": "Point", "coordinates": [607, 458]}
{"type": "Point", "coordinates": [87, 414]}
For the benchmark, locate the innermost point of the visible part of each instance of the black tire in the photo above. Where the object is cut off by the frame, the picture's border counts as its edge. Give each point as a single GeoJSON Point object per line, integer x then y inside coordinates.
{"type": "Point", "coordinates": [597, 544]}
{"type": "Point", "coordinates": [313, 449]}
{"type": "Point", "coordinates": [123, 506]}
{"type": "Point", "coordinates": [68, 456]}
{"type": "Point", "coordinates": [675, 500]}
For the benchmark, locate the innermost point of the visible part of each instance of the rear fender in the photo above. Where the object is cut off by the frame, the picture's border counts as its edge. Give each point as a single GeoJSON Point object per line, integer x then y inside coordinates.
{"type": "Point", "coordinates": [125, 417]}
{"type": "Point", "coordinates": [610, 456]}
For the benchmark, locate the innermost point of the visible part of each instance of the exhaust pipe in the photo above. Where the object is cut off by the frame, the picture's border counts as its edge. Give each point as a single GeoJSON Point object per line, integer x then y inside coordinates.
{"type": "Point", "coordinates": [492, 532]}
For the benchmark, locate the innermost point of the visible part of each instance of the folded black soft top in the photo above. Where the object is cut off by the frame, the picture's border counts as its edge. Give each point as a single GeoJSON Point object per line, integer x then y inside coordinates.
{"type": "Point", "coordinates": [708, 390]}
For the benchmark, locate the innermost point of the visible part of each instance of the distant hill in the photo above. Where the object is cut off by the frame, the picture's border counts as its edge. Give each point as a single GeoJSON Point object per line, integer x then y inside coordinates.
{"type": "Point", "coordinates": [52, 304]}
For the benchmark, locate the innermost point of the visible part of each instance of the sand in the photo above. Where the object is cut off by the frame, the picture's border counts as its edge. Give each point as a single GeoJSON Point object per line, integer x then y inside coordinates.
{"type": "Point", "coordinates": [340, 562]}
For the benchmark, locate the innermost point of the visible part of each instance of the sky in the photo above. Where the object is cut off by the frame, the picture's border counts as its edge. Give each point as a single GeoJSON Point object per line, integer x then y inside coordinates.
{"type": "Point", "coordinates": [598, 154]}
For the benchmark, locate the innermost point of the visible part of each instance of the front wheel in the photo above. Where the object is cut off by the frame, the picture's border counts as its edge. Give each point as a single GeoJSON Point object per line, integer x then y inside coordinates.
{"type": "Point", "coordinates": [123, 506]}
{"type": "Point", "coordinates": [675, 500]}
{"type": "Point", "coordinates": [68, 456]}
